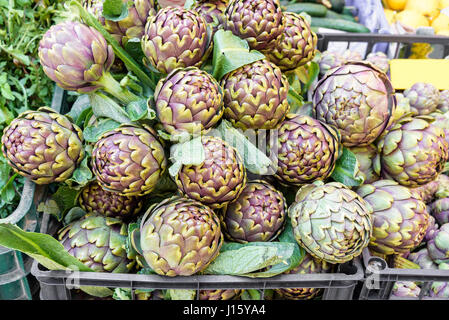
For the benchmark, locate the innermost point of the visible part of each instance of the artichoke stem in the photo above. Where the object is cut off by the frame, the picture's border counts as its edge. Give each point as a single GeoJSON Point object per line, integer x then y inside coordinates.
{"type": "Point", "coordinates": [113, 87]}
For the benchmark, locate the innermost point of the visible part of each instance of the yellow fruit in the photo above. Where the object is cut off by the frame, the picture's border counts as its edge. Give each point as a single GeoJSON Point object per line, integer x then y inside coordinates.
{"type": "Point", "coordinates": [396, 4]}
{"type": "Point", "coordinates": [428, 8]}
{"type": "Point", "coordinates": [391, 16]}
{"type": "Point", "coordinates": [412, 19]}
{"type": "Point", "coordinates": [440, 23]}
{"type": "Point", "coordinates": [444, 4]}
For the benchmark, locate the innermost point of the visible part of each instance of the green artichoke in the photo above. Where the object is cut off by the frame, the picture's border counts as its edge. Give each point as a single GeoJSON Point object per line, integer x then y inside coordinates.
{"type": "Point", "coordinates": [180, 236]}
{"type": "Point", "coordinates": [443, 104]}
{"type": "Point", "coordinates": [260, 22]}
{"type": "Point", "coordinates": [358, 99]}
{"type": "Point", "coordinates": [110, 204]}
{"type": "Point", "coordinates": [413, 153]}
{"type": "Point", "coordinates": [298, 45]}
{"type": "Point", "coordinates": [188, 100]}
{"type": "Point", "coordinates": [43, 146]}
{"type": "Point", "coordinates": [438, 246]}
{"type": "Point", "coordinates": [307, 150]}
{"type": "Point", "coordinates": [175, 38]}
{"type": "Point", "coordinates": [98, 242]}
{"type": "Point", "coordinates": [331, 222]}
{"type": "Point", "coordinates": [128, 160]}
{"type": "Point", "coordinates": [133, 26]}
{"type": "Point", "coordinates": [258, 214]}
{"type": "Point", "coordinates": [213, 11]}
{"type": "Point", "coordinates": [365, 157]}
{"type": "Point", "coordinates": [255, 96]}
{"type": "Point", "coordinates": [329, 60]}
{"type": "Point", "coordinates": [230, 294]}
{"type": "Point", "coordinates": [308, 265]}
{"type": "Point", "coordinates": [400, 219]}
{"type": "Point", "coordinates": [75, 56]}
{"type": "Point", "coordinates": [218, 180]}
{"type": "Point", "coordinates": [424, 98]}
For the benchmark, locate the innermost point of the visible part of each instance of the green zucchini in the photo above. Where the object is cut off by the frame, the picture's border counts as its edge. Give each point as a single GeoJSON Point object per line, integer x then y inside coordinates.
{"type": "Point", "coordinates": [312, 9]}
{"type": "Point", "coordinates": [338, 5]}
{"type": "Point", "coordinates": [334, 15]}
{"type": "Point", "coordinates": [347, 11]}
{"type": "Point", "coordinates": [339, 24]}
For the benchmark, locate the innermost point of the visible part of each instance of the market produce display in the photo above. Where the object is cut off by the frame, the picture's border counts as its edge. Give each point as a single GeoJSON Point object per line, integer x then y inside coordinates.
{"type": "Point", "coordinates": [213, 138]}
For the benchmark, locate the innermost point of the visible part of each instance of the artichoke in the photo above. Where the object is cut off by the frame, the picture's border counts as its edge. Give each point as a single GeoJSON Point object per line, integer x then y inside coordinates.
{"type": "Point", "coordinates": [230, 294]}
{"type": "Point", "coordinates": [43, 146]}
{"type": "Point", "coordinates": [307, 150]}
{"type": "Point", "coordinates": [218, 180]}
{"type": "Point", "coordinates": [379, 59]}
{"type": "Point", "coordinates": [441, 121]}
{"type": "Point", "coordinates": [406, 289]}
{"type": "Point", "coordinates": [255, 96]}
{"type": "Point", "coordinates": [180, 236]}
{"type": "Point", "coordinates": [98, 242]}
{"type": "Point", "coordinates": [331, 221]}
{"type": "Point", "coordinates": [413, 153]}
{"type": "Point", "coordinates": [260, 22]}
{"type": "Point", "coordinates": [175, 38]}
{"type": "Point", "coordinates": [400, 219]}
{"type": "Point", "coordinates": [358, 99]}
{"type": "Point", "coordinates": [128, 160]}
{"type": "Point", "coordinates": [213, 11]}
{"type": "Point", "coordinates": [132, 26]}
{"type": "Point", "coordinates": [365, 157]}
{"type": "Point", "coordinates": [443, 104]}
{"type": "Point", "coordinates": [76, 57]}
{"type": "Point", "coordinates": [298, 45]}
{"type": "Point", "coordinates": [424, 98]}
{"type": "Point", "coordinates": [351, 55]}
{"type": "Point", "coordinates": [329, 60]}
{"type": "Point", "coordinates": [440, 210]}
{"type": "Point", "coordinates": [110, 204]}
{"type": "Point", "coordinates": [422, 259]}
{"type": "Point", "coordinates": [438, 246]}
{"type": "Point", "coordinates": [431, 229]}
{"type": "Point", "coordinates": [188, 100]}
{"type": "Point", "coordinates": [440, 289]}
{"type": "Point", "coordinates": [308, 265]}
{"type": "Point", "coordinates": [258, 214]}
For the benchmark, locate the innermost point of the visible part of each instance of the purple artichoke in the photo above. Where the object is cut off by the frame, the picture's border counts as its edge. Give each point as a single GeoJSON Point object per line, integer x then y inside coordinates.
{"type": "Point", "coordinates": [218, 180]}
{"type": "Point", "coordinates": [440, 210]}
{"type": "Point", "coordinates": [75, 56]}
{"type": "Point", "coordinates": [260, 22]}
{"type": "Point", "coordinates": [380, 60]}
{"type": "Point", "coordinates": [443, 105]}
{"type": "Point", "coordinates": [308, 265]}
{"type": "Point", "coordinates": [175, 38]}
{"type": "Point", "coordinates": [406, 289]}
{"type": "Point", "coordinates": [413, 153]}
{"type": "Point", "coordinates": [213, 11]}
{"type": "Point", "coordinates": [230, 294]}
{"type": "Point", "coordinates": [258, 214]}
{"type": "Point", "coordinates": [400, 218]}
{"type": "Point", "coordinates": [110, 204]}
{"type": "Point", "coordinates": [438, 247]}
{"type": "Point", "coordinates": [422, 259]}
{"type": "Point", "coordinates": [255, 96]}
{"type": "Point", "coordinates": [43, 146]}
{"type": "Point", "coordinates": [188, 101]}
{"type": "Point", "coordinates": [330, 60]}
{"type": "Point", "coordinates": [427, 191]}
{"type": "Point", "coordinates": [358, 100]}
{"type": "Point", "coordinates": [307, 150]}
{"type": "Point", "coordinates": [128, 160]}
{"type": "Point", "coordinates": [298, 45]}
{"type": "Point", "coordinates": [424, 98]}
{"type": "Point", "coordinates": [431, 229]}
{"type": "Point", "coordinates": [440, 289]}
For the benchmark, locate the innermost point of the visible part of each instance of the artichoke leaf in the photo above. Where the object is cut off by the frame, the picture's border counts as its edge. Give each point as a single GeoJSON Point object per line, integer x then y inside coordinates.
{"type": "Point", "coordinates": [81, 176]}
{"type": "Point", "coordinates": [115, 10]}
{"type": "Point", "coordinates": [75, 213]}
{"type": "Point", "coordinates": [49, 206]}
{"type": "Point", "coordinates": [94, 132]}
{"type": "Point", "coordinates": [231, 53]}
{"type": "Point", "coordinates": [66, 198]}
{"type": "Point", "coordinates": [105, 107]}
{"type": "Point", "coordinates": [190, 152]}
{"type": "Point", "coordinates": [254, 159]}
{"type": "Point", "coordinates": [346, 170]}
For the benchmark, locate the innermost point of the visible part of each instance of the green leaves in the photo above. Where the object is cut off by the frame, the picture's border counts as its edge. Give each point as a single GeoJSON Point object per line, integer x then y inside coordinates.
{"type": "Point", "coordinates": [346, 170]}
{"type": "Point", "coordinates": [249, 259]}
{"type": "Point", "coordinates": [115, 10]}
{"type": "Point", "coordinates": [190, 152]}
{"type": "Point", "coordinates": [41, 247]}
{"type": "Point", "coordinates": [231, 53]}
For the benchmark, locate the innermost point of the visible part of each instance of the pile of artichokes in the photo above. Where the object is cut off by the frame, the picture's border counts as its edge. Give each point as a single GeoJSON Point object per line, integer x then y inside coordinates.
{"type": "Point", "coordinates": [117, 152]}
